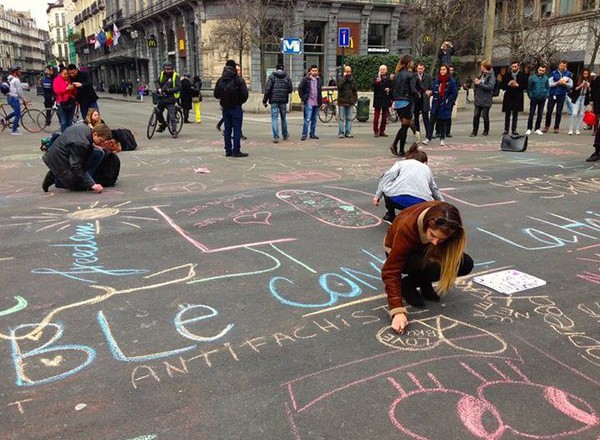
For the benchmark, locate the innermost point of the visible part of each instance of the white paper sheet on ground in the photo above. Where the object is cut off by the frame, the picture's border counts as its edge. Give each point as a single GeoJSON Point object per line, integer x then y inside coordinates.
{"type": "Point", "coordinates": [509, 281]}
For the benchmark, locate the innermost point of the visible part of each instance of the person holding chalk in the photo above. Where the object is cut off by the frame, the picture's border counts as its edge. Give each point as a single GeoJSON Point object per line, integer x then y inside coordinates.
{"type": "Point", "coordinates": [426, 242]}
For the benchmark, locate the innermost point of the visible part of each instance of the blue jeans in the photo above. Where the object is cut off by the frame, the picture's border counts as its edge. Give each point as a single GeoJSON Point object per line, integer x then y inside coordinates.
{"type": "Point", "coordinates": [276, 110]}
{"type": "Point", "coordinates": [311, 112]}
{"type": "Point", "coordinates": [233, 122]}
{"type": "Point", "coordinates": [16, 106]}
{"type": "Point", "coordinates": [577, 114]}
{"type": "Point", "coordinates": [85, 107]}
{"type": "Point", "coordinates": [344, 119]}
{"type": "Point", "coordinates": [65, 116]}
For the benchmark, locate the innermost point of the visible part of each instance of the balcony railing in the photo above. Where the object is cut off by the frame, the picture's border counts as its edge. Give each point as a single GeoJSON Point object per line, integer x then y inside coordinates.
{"type": "Point", "coordinates": [155, 9]}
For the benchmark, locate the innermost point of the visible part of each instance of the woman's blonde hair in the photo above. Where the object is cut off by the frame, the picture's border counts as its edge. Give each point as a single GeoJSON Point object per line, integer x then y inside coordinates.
{"type": "Point", "coordinates": [446, 218]}
{"type": "Point", "coordinates": [88, 117]}
{"type": "Point", "coordinates": [405, 62]}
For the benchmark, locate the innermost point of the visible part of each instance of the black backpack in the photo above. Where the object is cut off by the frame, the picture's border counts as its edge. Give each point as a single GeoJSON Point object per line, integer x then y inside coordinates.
{"type": "Point", "coordinates": [125, 137]}
{"type": "Point", "coordinates": [230, 93]}
{"type": "Point", "coordinates": [107, 172]}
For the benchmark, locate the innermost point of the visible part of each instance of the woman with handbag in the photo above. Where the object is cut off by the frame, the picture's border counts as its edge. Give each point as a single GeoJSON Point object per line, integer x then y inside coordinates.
{"type": "Point", "coordinates": [445, 92]}
{"type": "Point", "coordinates": [65, 93]}
{"type": "Point", "coordinates": [580, 96]}
{"type": "Point", "coordinates": [404, 92]}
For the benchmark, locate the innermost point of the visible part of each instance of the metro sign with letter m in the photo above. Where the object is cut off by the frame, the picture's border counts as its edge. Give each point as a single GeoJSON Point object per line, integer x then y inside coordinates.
{"type": "Point", "coordinates": [291, 46]}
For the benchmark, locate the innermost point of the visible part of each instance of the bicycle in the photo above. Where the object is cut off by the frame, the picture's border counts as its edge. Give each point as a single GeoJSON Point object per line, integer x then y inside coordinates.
{"type": "Point", "coordinates": [153, 121]}
{"type": "Point", "coordinates": [329, 108]}
{"type": "Point", "coordinates": [48, 118]}
{"type": "Point", "coordinates": [28, 118]}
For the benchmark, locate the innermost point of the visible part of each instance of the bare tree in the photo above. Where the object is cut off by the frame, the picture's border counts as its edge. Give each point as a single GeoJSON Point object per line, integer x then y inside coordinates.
{"type": "Point", "coordinates": [594, 32]}
{"type": "Point", "coordinates": [533, 41]}
{"type": "Point", "coordinates": [437, 21]}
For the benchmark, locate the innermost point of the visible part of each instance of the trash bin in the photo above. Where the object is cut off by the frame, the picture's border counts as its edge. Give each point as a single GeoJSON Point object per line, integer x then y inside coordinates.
{"type": "Point", "coordinates": [362, 109]}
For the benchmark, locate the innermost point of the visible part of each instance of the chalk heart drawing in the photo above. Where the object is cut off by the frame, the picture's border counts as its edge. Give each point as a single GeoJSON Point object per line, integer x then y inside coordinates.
{"type": "Point", "coordinates": [54, 362]}
{"type": "Point", "coordinates": [258, 218]}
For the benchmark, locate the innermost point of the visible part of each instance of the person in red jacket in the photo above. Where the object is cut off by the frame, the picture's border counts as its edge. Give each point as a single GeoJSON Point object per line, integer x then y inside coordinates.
{"type": "Point", "coordinates": [426, 242]}
{"type": "Point", "coordinates": [65, 93]}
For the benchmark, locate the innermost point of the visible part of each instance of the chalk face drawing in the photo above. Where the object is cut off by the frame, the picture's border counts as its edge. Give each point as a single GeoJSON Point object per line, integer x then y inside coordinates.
{"type": "Point", "coordinates": [329, 209]}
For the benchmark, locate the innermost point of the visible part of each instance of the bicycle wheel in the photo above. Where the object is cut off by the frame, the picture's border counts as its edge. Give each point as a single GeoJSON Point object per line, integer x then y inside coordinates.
{"type": "Point", "coordinates": [178, 121]}
{"type": "Point", "coordinates": [326, 113]}
{"type": "Point", "coordinates": [354, 112]}
{"type": "Point", "coordinates": [29, 120]}
{"type": "Point", "coordinates": [152, 122]}
{"type": "Point", "coordinates": [48, 120]}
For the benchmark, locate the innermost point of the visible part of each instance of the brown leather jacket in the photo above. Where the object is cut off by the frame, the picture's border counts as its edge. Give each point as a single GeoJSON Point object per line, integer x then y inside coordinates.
{"type": "Point", "coordinates": [404, 238]}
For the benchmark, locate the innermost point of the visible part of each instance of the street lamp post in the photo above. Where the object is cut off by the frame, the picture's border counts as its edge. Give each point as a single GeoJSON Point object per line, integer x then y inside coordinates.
{"type": "Point", "coordinates": [134, 34]}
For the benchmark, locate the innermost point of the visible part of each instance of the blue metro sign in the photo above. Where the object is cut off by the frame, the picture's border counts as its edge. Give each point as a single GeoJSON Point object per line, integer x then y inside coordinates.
{"type": "Point", "coordinates": [291, 46]}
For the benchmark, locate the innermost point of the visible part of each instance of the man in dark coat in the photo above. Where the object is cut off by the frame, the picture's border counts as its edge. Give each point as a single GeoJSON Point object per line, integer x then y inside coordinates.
{"type": "Point", "coordinates": [72, 158]}
{"type": "Point", "coordinates": [86, 95]}
{"type": "Point", "coordinates": [49, 75]}
{"type": "Point", "coordinates": [347, 97]}
{"type": "Point", "coordinates": [232, 92]}
{"type": "Point", "coordinates": [277, 93]}
{"type": "Point", "coordinates": [381, 100]}
{"type": "Point", "coordinates": [168, 84]}
{"type": "Point", "coordinates": [310, 90]}
{"type": "Point", "coordinates": [185, 97]}
{"type": "Point", "coordinates": [484, 91]}
{"type": "Point", "coordinates": [514, 83]}
{"type": "Point", "coordinates": [422, 105]}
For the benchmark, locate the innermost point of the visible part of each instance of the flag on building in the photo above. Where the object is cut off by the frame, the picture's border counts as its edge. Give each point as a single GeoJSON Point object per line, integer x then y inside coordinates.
{"type": "Point", "coordinates": [116, 34]}
{"type": "Point", "coordinates": [101, 37]}
{"type": "Point", "coordinates": [97, 43]}
{"type": "Point", "coordinates": [109, 39]}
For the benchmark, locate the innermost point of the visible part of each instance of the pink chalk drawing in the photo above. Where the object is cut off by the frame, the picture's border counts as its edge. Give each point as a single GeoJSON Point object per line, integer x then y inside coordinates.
{"type": "Point", "coordinates": [491, 413]}
{"type": "Point", "coordinates": [304, 176]}
{"type": "Point", "coordinates": [473, 393]}
{"type": "Point", "coordinates": [329, 209]}
{"type": "Point", "coordinates": [258, 218]}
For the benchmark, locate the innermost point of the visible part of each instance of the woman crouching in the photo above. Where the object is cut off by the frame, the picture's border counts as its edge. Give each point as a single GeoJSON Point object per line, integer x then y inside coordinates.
{"type": "Point", "coordinates": [426, 242]}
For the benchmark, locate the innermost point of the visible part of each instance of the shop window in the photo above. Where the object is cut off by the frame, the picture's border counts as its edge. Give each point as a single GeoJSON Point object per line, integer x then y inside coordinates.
{"type": "Point", "coordinates": [377, 34]}
{"type": "Point", "coordinates": [567, 7]}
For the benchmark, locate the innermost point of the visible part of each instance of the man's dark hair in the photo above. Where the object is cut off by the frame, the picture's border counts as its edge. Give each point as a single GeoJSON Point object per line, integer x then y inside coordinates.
{"type": "Point", "coordinates": [230, 63]}
{"type": "Point", "coordinates": [563, 62]}
{"type": "Point", "coordinates": [71, 67]}
{"type": "Point", "coordinates": [314, 66]}
{"type": "Point", "coordinates": [279, 67]}
{"type": "Point", "coordinates": [421, 63]}
{"type": "Point", "coordinates": [515, 62]}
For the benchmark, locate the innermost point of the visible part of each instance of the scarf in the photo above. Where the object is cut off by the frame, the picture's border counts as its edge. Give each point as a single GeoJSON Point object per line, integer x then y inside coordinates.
{"type": "Point", "coordinates": [443, 79]}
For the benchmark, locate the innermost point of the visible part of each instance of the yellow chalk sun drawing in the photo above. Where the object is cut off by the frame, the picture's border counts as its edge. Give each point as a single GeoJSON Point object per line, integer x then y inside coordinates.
{"type": "Point", "coordinates": [61, 218]}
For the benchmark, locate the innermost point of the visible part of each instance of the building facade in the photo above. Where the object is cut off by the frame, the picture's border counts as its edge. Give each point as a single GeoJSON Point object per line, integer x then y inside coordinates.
{"type": "Point", "coordinates": [558, 29]}
{"type": "Point", "coordinates": [57, 25]}
{"type": "Point", "coordinates": [189, 33]}
{"type": "Point", "coordinates": [21, 43]}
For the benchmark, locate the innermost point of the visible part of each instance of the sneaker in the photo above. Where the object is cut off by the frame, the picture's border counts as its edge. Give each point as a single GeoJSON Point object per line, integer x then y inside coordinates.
{"type": "Point", "coordinates": [349, 136]}
{"type": "Point", "coordinates": [417, 136]}
{"type": "Point", "coordinates": [544, 130]}
{"type": "Point", "coordinates": [577, 132]}
{"type": "Point", "coordinates": [240, 154]}
{"type": "Point", "coordinates": [303, 138]}
{"type": "Point", "coordinates": [556, 131]}
{"type": "Point", "coordinates": [528, 132]}
{"type": "Point", "coordinates": [570, 133]}
{"type": "Point", "coordinates": [442, 143]}
{"type": "Point", "coordinates": [17, 133]}
{"type": "Point", "coordinates": [593, 158]}
{"type": "Point", "coordinates": [276, 140]}
{"type": "Point", "coordinates": [473, 134]}
{"type": "Point", "coordinates": [340, 136]}
{"type": "Point", "coordinates": [485, 133]}
{"type": "Point", "coordinates": [286, 138]}
{"type": "Point", "coordinates": [312, 136]}
{"type": "Point", "coordinates": [425, 142]}
{"type": "Point", "coordinates": [388, 218]}
{"type": "Point", "coordinates": [539, 132]}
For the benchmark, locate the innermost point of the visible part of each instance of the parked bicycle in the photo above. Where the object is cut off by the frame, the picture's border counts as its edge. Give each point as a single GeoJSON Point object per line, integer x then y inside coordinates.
{"type": "Point", "coordinates": [48, 118]}
{"type": "Point", "coordinates": [153, 121]}
{"type": "Point", "coordinates": [28, 118]}
{"type": "Point", "coordinates": [329, 108]}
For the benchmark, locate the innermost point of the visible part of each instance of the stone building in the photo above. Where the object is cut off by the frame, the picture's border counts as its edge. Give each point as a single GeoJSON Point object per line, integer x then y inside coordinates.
{"type": "Point", "coordinates": [555, 29]}
{"type": "Point", "coordinates": [187, 33]}
{"type": "Point", "coordinates": [57, 25]}
{"type": "Point", "coordinates": [21, 43]}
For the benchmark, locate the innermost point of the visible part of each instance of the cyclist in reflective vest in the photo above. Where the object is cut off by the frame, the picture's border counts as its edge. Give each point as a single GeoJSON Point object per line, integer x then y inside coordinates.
{"type": "Point", "coordinates": [169, 86]}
